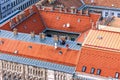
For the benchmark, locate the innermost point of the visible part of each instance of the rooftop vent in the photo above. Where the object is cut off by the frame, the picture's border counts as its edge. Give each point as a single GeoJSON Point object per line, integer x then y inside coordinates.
{"type": "Point", "coordinates": [68, 25]}
{"type": "Point", "coordinates": [60, 52]}
{"type": "Point", "coordinates": [112, 5]}
{"type": "Point", "coordinates": [16, 52]}
{"type": "Point", "coordinates": [78, 20]}
{"type": "Point", "coordinates": [57, 17]}
{"type": "Point", "coordinates": [30, 47]}
{"type": "Point", "coordinates": [55, 46]}
{"type": "Point", "coordinates": [99, 37]}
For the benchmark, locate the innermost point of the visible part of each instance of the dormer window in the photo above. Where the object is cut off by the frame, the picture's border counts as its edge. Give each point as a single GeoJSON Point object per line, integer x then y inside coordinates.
{"type": "Point", "coordinates": [98, 71]}
{"type": "Point", "coordinates": [116, 75]}
{"type": "Point", "coordinates": [92, 70]}
{"type": "Point", "coordinates": [84, 68]}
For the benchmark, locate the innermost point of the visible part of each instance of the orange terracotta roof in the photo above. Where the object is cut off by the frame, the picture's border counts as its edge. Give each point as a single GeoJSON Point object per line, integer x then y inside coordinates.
{"type": "Point", "coordinates": [106, 3]}
{"type": "Point", "coordinates": [32, 23]}
{"type": "Point", "coordinates": [103, 39]}
{"type": "Point", "coordinates": [41, 52]}
{"type": "Point", "coordinates": [82, 37]}
{"type": "Point", "coordinates": [54, 20]}
{"type": "Point", "coordinates": [107, 61]}
{"type": "Point", "coordinates": [57, 20]}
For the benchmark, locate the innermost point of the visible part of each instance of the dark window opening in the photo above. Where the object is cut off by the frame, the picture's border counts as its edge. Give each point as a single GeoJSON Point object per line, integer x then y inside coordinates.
{"type": "Point", "coordinates": [117, 75]}
{"type": "Point", "coordinates": [92, 71]}
{"type": "Point", "coordinates": [98, 71]}
{"type": "Point", "coordinates": [84, 68]}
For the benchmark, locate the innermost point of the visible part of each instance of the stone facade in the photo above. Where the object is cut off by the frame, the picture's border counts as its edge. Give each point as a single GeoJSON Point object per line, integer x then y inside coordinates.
{"type": "Point", "coordinates": [15, 71]}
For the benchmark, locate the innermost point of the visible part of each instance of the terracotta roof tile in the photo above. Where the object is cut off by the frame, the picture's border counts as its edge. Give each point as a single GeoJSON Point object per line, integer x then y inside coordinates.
{"type": "Point", "coordinates": [50, 18]}
{"type": "Point", "coordinates": [107, 61]}
{"type": "Point", "coordinates": [42, 52]}
{"type": "Point", "coordinates": [32, 23]}
{"type": "Point", "coordinates": [106, 3]}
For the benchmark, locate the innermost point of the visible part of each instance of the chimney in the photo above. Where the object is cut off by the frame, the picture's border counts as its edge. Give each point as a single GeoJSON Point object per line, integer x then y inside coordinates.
{"type": "Point", "coordinates": [32, 35]}
{"type": "Point", "coordinates": [66, 10]}
{"type": "Point", "coordinates": [81, 12]}
{"type": "Point", "coordinates": [12, 23]}
{"type": "Point", "coordinates": [72, 10]}
{"type": "Point", "coordinates": [39, 6]}
{"type": "Point", "coordinates": [15, 31]}
{"type": "Point", "coordinates": [17, 18]}
{"type": "Point", "coordinates": [30, 10]}
{"type": "Point", "coordinates": [60, 9]}
{"type": "Point", "coordinates": [87, 12]}
{"type": "Point", "coordinates": [56, 38]}
{"type": "Point", "coordinates": [42, 36]}
{"type": "Point", "coordinates": [75, 10]}
{"type": "Point", "coordinates": [52, 8]}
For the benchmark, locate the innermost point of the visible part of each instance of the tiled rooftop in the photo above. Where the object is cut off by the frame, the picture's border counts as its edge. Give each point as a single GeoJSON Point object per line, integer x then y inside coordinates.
{"type": "Point", "coordinates": [33, 23]}
{"type": "Point", "coordinates": [78, 23]}
{"type": "Point", "coordinates": [39, 49]}
{"type": "Point", "coordinates": [105, 60]}
{"type": "Point", "coordinates": [106, 3]}
{"type": "Point", "coordinates": [100, 50]}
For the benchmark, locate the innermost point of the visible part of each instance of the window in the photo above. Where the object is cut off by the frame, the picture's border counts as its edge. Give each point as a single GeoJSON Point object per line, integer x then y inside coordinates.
{"type": "Point", "coordinates": [106, 14]}
{"type": "Point", "coordinates": [118, 15]}
{"type": "Point", "coordinates": [83, 68]}
{"type": "Point", "coordinates": [112, 13]}
{"type": "Point", "coordinates": [117, 75]}
{"type": "Point", "coordinates": [92, 70]}
{"type": "Point", "coordinates": [98, 71]}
